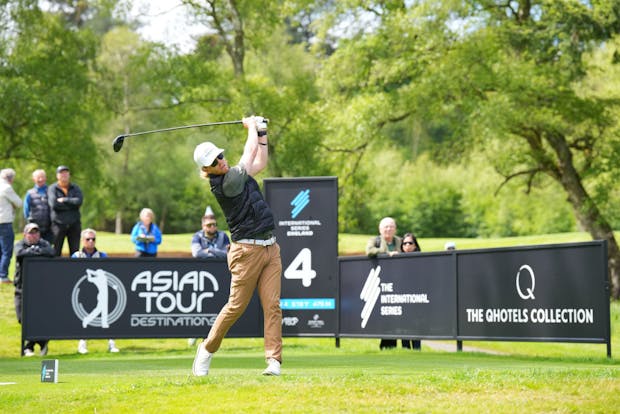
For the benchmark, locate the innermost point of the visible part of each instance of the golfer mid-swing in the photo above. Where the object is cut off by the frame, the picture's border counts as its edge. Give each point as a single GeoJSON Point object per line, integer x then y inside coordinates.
{"type": "Point", "coordinates": [254, 256]}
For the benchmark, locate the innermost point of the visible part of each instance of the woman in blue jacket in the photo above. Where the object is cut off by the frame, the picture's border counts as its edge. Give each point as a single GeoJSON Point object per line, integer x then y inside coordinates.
{"type": "Point", "coordinates": [146, 235]}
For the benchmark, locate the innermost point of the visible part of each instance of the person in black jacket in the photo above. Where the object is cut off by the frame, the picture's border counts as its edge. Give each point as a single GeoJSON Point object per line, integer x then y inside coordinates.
{"type": "Point", "coordinates": [65, 200]}
{"type": "Point", "coordinates": [409, 245]}
{"type": "Point", "coordinates": [31, 245]}
{"type": "Point", "coordinates": [36, 207]}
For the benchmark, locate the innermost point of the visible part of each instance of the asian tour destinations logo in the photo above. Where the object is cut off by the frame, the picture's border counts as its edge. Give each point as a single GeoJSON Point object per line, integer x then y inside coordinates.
{"type": "Point", "coordinates": [525, 284]}
{"type": "Point", "coordinates": [100, 315]}
{"type": "Point", "coordinates": [171, 298]}
{"type": "Point", "coordinates": [159, 298]}
{"type": "Point", "coordinates": [391, 300]}
{"type": "Point", "coordinates": [299, 228]}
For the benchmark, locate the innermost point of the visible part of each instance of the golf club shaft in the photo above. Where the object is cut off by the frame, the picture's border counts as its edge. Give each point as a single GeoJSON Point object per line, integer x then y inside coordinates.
{"type": "Point", "coordinates": [182, 127]}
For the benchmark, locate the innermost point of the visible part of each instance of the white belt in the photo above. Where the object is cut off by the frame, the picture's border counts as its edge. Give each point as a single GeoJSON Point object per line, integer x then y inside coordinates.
{"type": "Point", "coordinates": [258, 242]}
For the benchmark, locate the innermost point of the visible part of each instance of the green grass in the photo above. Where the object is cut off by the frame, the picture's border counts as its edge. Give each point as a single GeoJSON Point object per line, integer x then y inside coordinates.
{"type": "Point", "coordinates": [153, 375]}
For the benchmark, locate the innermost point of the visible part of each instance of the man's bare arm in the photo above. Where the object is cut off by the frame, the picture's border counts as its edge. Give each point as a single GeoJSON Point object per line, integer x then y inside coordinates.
{"type": "Point", "coordinates": [255, 152]}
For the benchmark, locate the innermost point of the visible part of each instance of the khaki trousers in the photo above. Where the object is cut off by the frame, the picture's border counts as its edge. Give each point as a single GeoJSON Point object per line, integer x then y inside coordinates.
{"type": "Point", "coordinates": [252, 267]}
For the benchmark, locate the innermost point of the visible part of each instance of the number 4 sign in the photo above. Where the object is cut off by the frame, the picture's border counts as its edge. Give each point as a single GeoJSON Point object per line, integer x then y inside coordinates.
{"type": "Point", "coordinates": [301, 268]}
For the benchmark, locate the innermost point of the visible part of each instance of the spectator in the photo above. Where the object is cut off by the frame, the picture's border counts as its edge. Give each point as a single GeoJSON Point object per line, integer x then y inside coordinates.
{"type": "Point", "coordinates": [31, 245]}
{"type": "Point", "coordinates": [146, 235]}
{"type": "Point", "coordinates": [89, 251]}
{"type": "Point", "coordinates": [210, 242]}
{"type": "Point", "coordinates": [386, 242]}
{"type": "Point", "coordinates": [450, 245]}
{"type": "Point", "coordinates": [65, 200]}
{"type": "Point", "coordinates": [254, 258]}
{"type": "Point", "coordinates": [410, 244]}
{"type": "Point", "coordinates": [9, 202]}
{"type": "Point", "coordinates": [36, 207]}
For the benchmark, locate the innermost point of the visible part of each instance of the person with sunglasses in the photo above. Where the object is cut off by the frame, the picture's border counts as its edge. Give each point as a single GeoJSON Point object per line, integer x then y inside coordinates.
{"type": "Point", "coordinates": [89, 251]}
{"type": "Point", "coordinates": [410, 245]}
{"type": "Point", "coordinates": [254, 257]}
{"type": "Point", "coordinates": [210, 242]}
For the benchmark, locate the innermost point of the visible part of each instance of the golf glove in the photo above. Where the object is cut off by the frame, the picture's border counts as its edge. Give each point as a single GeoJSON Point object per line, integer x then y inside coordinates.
{"type": "Point", "coordinates": [261, 125]}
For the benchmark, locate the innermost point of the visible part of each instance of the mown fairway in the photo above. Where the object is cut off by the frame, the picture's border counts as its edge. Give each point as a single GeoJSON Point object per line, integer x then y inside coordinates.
{"type": "Point", "coordinates": [154, 376]}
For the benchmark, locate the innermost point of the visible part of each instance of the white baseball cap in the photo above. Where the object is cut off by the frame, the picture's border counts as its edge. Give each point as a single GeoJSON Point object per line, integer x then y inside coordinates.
{"type": "Point", "coordinates": [205, 154]}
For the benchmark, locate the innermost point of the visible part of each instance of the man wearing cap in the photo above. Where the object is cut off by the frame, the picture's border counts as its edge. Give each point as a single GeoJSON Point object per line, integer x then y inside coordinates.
{"type": "Point", "coordinates": [31, 245]}
{"type": "Point", "coordinates": [65, 200]}
{"type": "Point", "coordinates": [254, 256]}
{"type": "Point", "coordinates": [9, 202]}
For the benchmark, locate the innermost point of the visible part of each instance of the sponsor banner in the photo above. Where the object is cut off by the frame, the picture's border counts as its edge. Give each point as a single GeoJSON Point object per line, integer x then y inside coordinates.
{"type": "Point", "coordinates": [306, 215]}
{"type": "Point", "coordinates": [548, 293]}
{"type": "Point", "coordinates": [128, 298]}
{"type": "Point", "coordinates": [403, 295]}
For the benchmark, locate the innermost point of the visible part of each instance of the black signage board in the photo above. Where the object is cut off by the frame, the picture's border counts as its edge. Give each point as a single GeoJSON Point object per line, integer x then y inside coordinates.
{"type": "Point", "coordinates": [129, 298]}
{"type": "Point", "coordinates": [544, 293]}
{"type": "Point", "coordinates": [408, 295]}
{"type": "Point", "coordinates": [306, 215]}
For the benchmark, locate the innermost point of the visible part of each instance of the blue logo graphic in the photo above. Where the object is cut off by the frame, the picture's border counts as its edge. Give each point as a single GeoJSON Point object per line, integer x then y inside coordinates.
{"type": "Point", "coordinates": [300, 202]}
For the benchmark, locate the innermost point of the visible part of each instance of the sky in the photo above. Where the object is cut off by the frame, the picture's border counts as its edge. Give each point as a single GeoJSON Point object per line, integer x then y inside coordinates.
{"type": "Point", "coordinates": [166, 21]}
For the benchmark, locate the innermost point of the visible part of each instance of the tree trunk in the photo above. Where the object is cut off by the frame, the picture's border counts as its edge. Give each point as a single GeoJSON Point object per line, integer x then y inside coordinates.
{"type": "Point", "coordinates": [586, 210]}
{"type": "Point", "coordinates": [118, 223]}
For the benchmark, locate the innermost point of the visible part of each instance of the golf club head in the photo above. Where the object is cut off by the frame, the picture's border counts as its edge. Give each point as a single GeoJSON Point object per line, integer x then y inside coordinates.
{"type": "Point", "coordinates": [118, 143]}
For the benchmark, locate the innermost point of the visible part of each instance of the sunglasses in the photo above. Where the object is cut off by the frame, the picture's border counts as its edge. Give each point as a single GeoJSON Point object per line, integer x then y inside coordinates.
{"type": "Point", "coordinates": [211, 224]}
{"type": "Point", "coordinates": [219, 157]}
{"type": "Point", "coordinates": [90, 239]}
{"type": "Point", "coordinates": [407, 243]}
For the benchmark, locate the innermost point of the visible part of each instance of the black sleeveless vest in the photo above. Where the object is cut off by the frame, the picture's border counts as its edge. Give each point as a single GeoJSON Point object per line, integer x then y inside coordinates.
{"type": "Point", "coordinates": [247, 213]}
{"type": "Point", "coordinates": [39, 210]}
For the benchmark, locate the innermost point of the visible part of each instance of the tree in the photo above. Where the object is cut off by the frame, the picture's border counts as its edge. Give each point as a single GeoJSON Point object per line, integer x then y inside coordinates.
{"type": "Point", "coordinates": [501, 76]}
{"type": "Point", "coordinates": [46, 91]}
{"type": "Point", "coordinates": [266, 76]}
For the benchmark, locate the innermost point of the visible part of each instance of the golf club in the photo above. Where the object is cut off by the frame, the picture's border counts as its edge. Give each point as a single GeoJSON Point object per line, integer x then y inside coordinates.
{"type": "Point", "coordinates": [118, 141]}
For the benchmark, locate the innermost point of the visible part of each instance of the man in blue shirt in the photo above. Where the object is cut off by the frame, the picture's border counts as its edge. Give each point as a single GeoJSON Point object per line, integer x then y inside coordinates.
{"type": "Point", "coordinates": [210, 242]}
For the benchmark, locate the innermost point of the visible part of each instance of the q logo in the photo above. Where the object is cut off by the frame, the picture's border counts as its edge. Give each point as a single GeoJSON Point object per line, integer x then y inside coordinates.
{"type": "Point", "coordinates": [529, 290]}
{"type": "Point", "coordinates": [100, 315]}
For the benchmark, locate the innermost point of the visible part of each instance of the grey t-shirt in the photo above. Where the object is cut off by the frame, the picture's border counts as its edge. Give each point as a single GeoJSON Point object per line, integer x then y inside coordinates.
{"type": "Point", "coordinates": [234, 180]}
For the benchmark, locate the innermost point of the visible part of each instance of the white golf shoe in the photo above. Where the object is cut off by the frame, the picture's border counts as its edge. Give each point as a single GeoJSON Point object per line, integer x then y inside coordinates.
{"type": "Point", "coordinates": [202, 361]}
{"type": "Point", "coordinates": [112, 346]}
{"type": "Point", "coordinates": [273, 367]}
{"type": "Point", "coordinates": [82, 349]}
